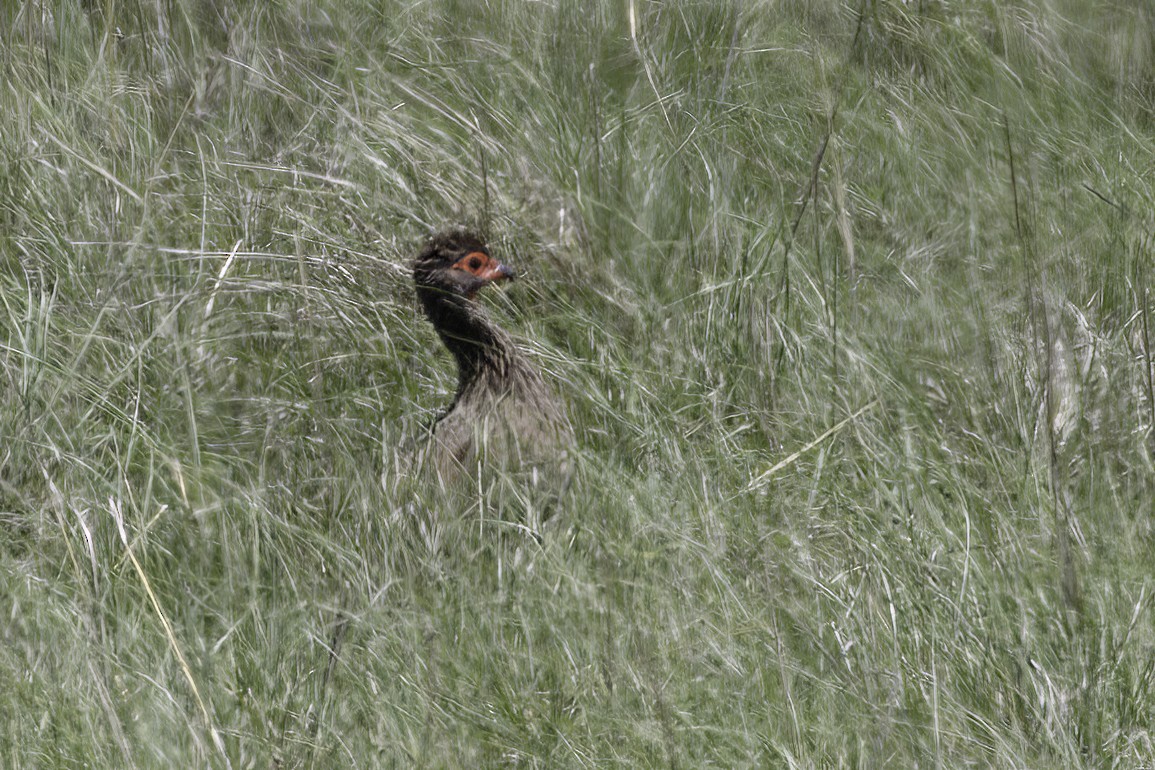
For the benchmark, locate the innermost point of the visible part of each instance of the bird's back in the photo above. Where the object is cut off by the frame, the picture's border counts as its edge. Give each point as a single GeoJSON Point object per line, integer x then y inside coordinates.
{"type": "Point", "coordinates": [511, 427]}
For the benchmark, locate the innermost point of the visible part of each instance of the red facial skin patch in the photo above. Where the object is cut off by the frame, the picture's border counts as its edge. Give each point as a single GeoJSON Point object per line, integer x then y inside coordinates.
{"type": "Point", "coordinates": [483, 266]}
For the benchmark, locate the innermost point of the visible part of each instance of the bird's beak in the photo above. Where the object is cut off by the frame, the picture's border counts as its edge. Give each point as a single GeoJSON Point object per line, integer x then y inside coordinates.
{"type": "Point", "coordinates": [497, 271]}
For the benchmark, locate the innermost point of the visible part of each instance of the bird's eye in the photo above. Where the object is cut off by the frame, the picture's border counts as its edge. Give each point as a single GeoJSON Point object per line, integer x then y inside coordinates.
{"type": "Point", "coordinates": [473, 262]}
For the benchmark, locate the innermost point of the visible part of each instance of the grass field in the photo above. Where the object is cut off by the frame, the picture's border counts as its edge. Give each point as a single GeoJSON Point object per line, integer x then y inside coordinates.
{"type": "Point", "coordinates": [849, 302]}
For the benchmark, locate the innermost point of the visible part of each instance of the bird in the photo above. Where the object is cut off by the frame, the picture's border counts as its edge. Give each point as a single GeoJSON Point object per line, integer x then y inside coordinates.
{"type": "Point", "coordinates": [504, 421]}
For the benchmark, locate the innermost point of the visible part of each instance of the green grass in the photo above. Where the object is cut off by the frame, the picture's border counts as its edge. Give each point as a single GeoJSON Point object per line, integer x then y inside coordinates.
{"type": "Point", "coordinates": [212, 366]}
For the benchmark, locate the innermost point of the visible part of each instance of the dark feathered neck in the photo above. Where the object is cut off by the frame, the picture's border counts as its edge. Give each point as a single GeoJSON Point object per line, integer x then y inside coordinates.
{"type": "Point", "coordinates": [478, 345]}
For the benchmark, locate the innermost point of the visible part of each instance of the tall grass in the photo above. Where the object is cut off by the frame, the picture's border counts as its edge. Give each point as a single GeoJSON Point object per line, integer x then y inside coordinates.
{"type": "Point", "coordinates": [849, 303]}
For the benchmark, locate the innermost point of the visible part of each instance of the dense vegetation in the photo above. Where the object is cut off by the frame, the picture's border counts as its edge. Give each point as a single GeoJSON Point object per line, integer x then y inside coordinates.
{"type": "Point", "coordinates": [850, 303]}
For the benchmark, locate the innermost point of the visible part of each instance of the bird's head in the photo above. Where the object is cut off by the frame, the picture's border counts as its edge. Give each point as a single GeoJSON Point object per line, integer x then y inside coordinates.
{"type": "Point", "coordinates": [457, 263]}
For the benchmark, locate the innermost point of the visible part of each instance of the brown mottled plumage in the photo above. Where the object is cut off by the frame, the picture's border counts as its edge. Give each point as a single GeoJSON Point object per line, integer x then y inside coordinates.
{"type": "Point", "coordinates": [504, 417]}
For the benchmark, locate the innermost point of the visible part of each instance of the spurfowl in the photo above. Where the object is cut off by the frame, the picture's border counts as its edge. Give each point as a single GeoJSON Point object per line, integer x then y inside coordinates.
{"type": "Point", "coordinates": [504, 419]}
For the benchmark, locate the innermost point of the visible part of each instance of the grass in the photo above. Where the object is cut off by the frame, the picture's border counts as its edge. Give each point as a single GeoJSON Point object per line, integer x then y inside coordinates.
{"type": "Point", "coordinates": [849, 303]}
